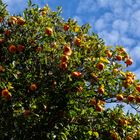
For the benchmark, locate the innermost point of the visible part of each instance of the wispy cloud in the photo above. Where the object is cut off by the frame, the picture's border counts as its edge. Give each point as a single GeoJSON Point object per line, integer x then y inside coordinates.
{"type": "Point", "coordinates": [117, 22]}
{"type": "Point", "coordinates": [135, 53]}
{"type": "Point", "coordinates": [120, 25]}
{"type": "Point", "coordinates": [99, 24]}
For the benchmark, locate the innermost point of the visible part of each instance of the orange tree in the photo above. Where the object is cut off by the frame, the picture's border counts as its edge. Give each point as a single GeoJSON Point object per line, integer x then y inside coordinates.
{"type": "Point", "coordinates": [56, 77]}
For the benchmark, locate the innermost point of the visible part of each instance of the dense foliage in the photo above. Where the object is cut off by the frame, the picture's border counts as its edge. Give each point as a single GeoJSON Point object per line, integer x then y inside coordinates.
{"type": "Point", "coordinates": [56, 77]}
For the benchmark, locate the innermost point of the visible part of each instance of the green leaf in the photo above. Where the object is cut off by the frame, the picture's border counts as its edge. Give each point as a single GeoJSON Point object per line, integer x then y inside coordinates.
{"type": "Point", "coordinates": [90, 132]}
{"type": "Point", "coordinates": [63, 136]}
{"type": "Point", "coordinates": [96, 134]}
{"type": "Point", "coordinates": [29, 3]}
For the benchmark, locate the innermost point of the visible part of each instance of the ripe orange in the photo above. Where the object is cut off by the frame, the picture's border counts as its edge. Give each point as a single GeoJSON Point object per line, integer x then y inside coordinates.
{"type": "Point", "coordinates": [100, 66]}
{"type": "Point", "coordinates": [119, 57]}
{"type": "Point", "coordinates": [80, 89]}
{"type": "Point", "coordinates": [130, 74]}
{"type": "Point", "coordinates": [114, 135]}
{"type": "Point", "coordinates": [137, 99]}
{"type": "Point", "coordinates": [130, 98]}
{"type": "Point", "coordinates": [94, 76]}
{"type": "Point", "coordinates": [43, 13]}
{"type": "Point", "coordinates": [76, 74]}
{"type": "Point", "coordinates": [108, 53]}
{"type": "Point", "coordinates": [125, 57]}
{"type": "Point", "coordinates": [93, 101]}
{"type": "Point", "coordinates": [99, 108]}
{"type": "Point", "coordinates": [1, 19]}
{"type": "Point", "coordinates": [63, 65]}
{"type": "Point", "coordinates": [39, 49]}
{"type": "Point", "coordinates": [129, 138]}
{"type": "Point", "coordinates": [20, 48]}
{"type": "Point", "coordinates": [7, 32]}
{"type": "Point", "coordinates": [1, 40]}
{"type": "Point", "coordinates": [119, 97]}
{"type": "Point", "coordinates": [115, 70]}
{"type": "Point", "coordinates": [26, 113]}
{"type": "Point", "coordinates": [129, 80]}
{"type": "Point", "coordinates": [64, 58]}
{"type": "Point", "coordinates": [122, 50]}
{"type": "Point", "coordinates": [67, 50]}
{"type": "Point", "coordinates": [77, 41]}
{"type": "Point", "coordinates": [122, 122]}
{"type": "Point", "coordinates": [2, 69]}
{"type": "Point", "coordinates": [138, 87]}
{"type": "Point", "coordinates": [129, 61]}
{"type": "Point", "coordinates": [12, 48]}
{"type": "Point", "coordinates": [101, 102]}
{"type": "Point", "coordinates": [33, 87]}
{"type": "Point", "coordinates": [66, 27]}
{"type": "Point", "coordinates": [101, 90]}
{"type": "Point", "coordinates": [13, 20]}
{"type": "Point", "coordinates": [49, 31]}
{"type": "Point", "coordinates": [6, 94]}
{"type": "Point", "coordinates": [20, 21]}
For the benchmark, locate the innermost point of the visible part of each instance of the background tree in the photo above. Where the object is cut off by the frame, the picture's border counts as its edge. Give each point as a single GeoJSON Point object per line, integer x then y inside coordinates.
{"type": "Point", "coordinates": [56, 77]}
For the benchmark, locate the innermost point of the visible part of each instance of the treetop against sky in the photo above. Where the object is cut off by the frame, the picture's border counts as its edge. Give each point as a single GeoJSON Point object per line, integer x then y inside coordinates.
{"type": "Point", "coordinates": [117, 22]}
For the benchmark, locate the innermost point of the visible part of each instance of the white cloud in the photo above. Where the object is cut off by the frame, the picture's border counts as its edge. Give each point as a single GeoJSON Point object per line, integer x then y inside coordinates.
{"type": "Point", "coordinates": [103, 3]}
{"type": "Point", "coordinates": [129, 2]}
{"type": "Point", "coordinates": [110, 38]}
{"type": "Point", "coordinates": [86, 6]}
{"type": "Point", "coordinates": [108, 17]}
{"type": "Point", "coordinates": [100, 25]}
{"type": "Point", "coordinates": [122, 16]}
{"type": "Point", "coordinates": [136, 16]}
{"type": "Point", "coordinates": [126, 41]}
{"type": "Point", "coordinates": [120, 25]}
{"type": "Point", "coordinates": [135, 54]}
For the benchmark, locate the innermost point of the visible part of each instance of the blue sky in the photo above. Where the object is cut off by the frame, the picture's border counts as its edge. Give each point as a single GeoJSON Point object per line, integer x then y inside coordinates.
{"type": "Point", "coordinates": [116, 21]}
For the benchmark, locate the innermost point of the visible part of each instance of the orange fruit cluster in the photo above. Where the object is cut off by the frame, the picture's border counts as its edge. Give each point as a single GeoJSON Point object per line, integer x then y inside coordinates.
{"type": "Point", "coordinates": [129, 79]}
{"type": "Point", "coordinates": [64, 59]}
{"type": "Point", "coordinates": [97, 103]}
{"type": "Point", "coordinates": [12, 48]}
{"type": "Point", "coordinates": [76, 74]}
{"type": "Point", "coordinates": [16, 20]}
{"type": "Point", "coordinates": [108, 53]}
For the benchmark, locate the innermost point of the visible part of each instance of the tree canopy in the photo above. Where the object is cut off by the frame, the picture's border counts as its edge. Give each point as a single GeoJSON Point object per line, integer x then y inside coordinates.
{"type": "Point", "coordinates": [56, 77]}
